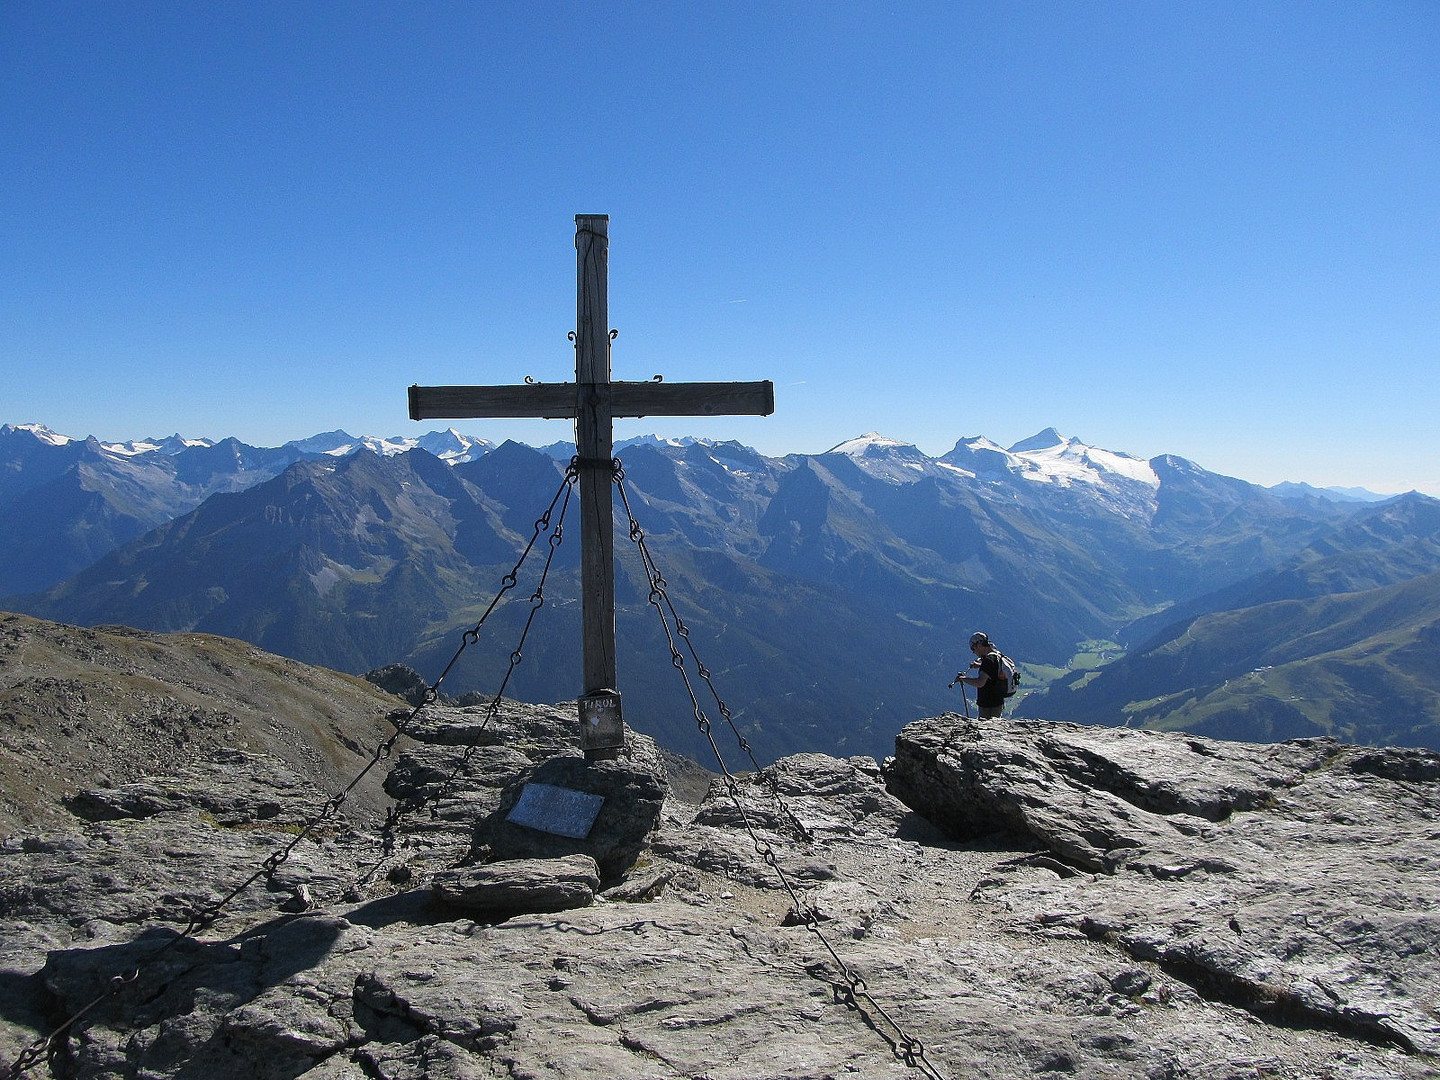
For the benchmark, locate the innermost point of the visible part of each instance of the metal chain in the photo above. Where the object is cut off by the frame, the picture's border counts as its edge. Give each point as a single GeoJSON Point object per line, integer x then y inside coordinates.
{"type": "Point", "coordinates": [400, 809]}
{"type": "Point", "coordinates": [853, 990]}
{"type": "Point", "coordinates": [508, 582]}
{"type": "Point", "coordinates": [682, 630]}
{"type": "Point", "coordinates": [202, 917]}
{"type": "Point", "coordinates": [537, 601]}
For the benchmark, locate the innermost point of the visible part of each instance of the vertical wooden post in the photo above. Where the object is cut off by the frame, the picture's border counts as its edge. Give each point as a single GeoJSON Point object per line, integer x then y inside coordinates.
{"type": "Point", "coordinates": [594, 401]}
{"type": "Point", "coordinates": [594, 444]}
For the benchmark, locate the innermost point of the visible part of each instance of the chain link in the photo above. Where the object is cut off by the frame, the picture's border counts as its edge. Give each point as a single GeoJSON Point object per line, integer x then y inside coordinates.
{"type": "Point", "coordinates": [853, 990]}
{"type": "Point", "coordinates": [46, 1047]}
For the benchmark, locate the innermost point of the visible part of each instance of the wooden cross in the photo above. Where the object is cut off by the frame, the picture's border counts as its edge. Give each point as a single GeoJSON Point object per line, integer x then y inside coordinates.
{"type": "Point", "coordinates": [593, 401]}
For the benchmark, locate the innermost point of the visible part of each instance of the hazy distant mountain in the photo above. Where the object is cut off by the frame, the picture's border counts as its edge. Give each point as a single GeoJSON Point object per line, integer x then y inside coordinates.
{"type": "Point", "coordinates": [82, 498]}
{"type": "Point", "coordinates": [833, 592]}
{"type": "Point", "coordinates": [1373, 546]}
{"type": "Point", "coordinates": [1291, 490]}
{"type": "Point", "coordinates": [30, 455]}
{"type": "Point", "coordinates": [340, 560]}
{"type": "Point", "coordinates": [75, 500]}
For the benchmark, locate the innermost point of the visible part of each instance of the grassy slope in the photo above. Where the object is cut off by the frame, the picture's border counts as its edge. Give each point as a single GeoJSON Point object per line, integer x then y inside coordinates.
{"type": "Point", "coordinates": [109, 705]}
{"type": "Point", "coordinates": [1283, 670]}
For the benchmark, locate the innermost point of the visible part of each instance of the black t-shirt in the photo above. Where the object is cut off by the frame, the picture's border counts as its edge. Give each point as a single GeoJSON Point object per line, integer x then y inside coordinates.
{"type": "Point", "coordinates": [993, 692]}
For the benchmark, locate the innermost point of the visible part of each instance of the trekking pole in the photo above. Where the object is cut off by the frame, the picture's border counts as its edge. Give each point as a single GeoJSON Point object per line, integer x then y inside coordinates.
{"type": "Point", "coordinates": [963, 696]}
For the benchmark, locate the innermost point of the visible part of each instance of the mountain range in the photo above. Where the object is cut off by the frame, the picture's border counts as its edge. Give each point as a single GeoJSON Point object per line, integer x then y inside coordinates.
{"type": "Point", "coordinates": [828, 595]}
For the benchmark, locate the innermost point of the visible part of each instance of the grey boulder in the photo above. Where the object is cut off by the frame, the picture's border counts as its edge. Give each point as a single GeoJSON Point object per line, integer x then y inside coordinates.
{"type": "Point", "coordinates": [519, 886]}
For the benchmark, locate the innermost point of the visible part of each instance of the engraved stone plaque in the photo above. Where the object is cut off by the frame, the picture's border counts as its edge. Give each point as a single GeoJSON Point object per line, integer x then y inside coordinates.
{"type": "Point", "coordinates": [557, 810]}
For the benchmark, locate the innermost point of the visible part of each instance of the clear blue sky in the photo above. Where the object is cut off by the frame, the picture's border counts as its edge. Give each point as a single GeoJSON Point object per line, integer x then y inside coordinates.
{"type": "Point", "coordinates": [1209, 229]}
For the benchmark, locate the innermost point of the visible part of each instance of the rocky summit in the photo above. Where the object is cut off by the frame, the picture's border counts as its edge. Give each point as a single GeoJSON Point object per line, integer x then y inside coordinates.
{"type": "Point", "coordinates": [1001, 899]}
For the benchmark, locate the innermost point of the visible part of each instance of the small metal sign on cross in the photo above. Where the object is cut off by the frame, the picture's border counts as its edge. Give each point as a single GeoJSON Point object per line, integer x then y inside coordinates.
{"type": "Point", "coordinates": [593, 402]}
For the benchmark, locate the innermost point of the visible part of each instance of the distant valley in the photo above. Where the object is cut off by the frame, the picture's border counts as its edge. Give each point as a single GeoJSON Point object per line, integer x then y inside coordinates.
{"type": "Point", "coordinates": [830, 595]}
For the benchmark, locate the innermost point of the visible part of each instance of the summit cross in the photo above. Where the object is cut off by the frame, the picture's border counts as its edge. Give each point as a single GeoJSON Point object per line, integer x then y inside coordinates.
{"type": "Point", "coordinates": [593, 402]}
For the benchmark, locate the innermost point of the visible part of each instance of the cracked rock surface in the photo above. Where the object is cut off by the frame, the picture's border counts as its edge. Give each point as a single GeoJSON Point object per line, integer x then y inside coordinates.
{"type": "Point", "coordinates": [1045, 901]}
{"type": "Point", "coordinates": [1300, 880]}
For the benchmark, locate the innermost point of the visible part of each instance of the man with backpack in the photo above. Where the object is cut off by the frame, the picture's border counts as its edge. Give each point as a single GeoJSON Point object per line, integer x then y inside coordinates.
{"type": "Point", "coordinates": [992, 679]}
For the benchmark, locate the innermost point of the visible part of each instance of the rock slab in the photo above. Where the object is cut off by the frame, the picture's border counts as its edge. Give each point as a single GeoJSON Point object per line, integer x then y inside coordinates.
{"type": "Point", "coordinates": [1300, 880]}
{"type": "Point", "coordinates": [500, 890]}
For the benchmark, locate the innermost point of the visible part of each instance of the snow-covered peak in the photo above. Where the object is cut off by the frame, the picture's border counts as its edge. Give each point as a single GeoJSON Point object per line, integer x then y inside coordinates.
{"type": "Point", "coordinates": [452, 446]}
{"type": "Point", "coordinates": [1127, 483]}
{"type": "Point", "coordinates": [981, 443]}
{"type": "Point", "coordinates": [656, 440]}
{"type": "Point", "coordinates": [449, 445]}
{"type": "Point", "coordinates": [887, 459]}
{"type": "Point", "coordinates": [981, 456]}
{"type": "Point", "coordinates": [396, 444]}
{"type": "Point", "coordinates": [1044, 440]}
{"type": "Point", "coordinates": [868, 445]}
{"type": "Point", "coordinates": [169, 446]}
{"type": "Point", "coordinates": [327, 442]}
{"type": "Point", "coordinates": [1055, 459]}
{"type": "Point", "coordinates": [41, 433]}
{"type": "Point", "coordinates": [730, 456]}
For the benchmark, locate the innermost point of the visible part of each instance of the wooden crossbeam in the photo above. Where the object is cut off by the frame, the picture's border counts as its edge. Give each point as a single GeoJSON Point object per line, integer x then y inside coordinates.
{"type": "Point", "coordinates": [561, 401]}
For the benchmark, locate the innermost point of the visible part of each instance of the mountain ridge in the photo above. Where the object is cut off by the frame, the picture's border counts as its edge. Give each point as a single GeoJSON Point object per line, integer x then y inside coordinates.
{"type": "Point", "coordinates": [454, 446]}
{"type": "Point", "coordinates": [838, 588]}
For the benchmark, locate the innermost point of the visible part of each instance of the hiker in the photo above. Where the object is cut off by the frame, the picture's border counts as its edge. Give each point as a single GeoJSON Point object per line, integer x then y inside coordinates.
{"type": "Point", "coordinates": [987, 680]}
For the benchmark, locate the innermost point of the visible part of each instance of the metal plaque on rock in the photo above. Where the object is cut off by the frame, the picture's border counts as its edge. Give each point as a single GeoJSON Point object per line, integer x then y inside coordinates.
{"type": "Point", "coordinates": [557, 810]}
{"type": "Point", "coordinates": [602, 732]}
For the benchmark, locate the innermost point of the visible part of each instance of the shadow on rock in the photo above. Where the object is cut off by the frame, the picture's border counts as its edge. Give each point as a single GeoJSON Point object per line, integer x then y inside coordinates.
{"type": "Point", "coordinates": [20, 999]}
{"type": "Point", "coordinates": [413, 907]}
{"type": "Point", "coordinates": [195, 1008]}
